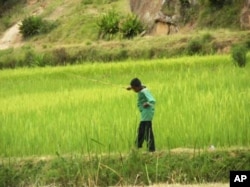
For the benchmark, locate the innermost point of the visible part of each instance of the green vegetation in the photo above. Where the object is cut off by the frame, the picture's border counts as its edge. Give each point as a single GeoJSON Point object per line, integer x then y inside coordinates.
{"type": "Point", "coordinates": [69, 109]}
{"type": "Point", "coordinates": [199, 43]}
{"type": "Point", "coordinates": [239, 54]}
{"type": "Point", "coordinates": [220, 14]}
{"type": "Point", "coordinates": [75, 39]}
{"type": "Point", "coordinates": [131, 26]}
{"type": "Point", "coordinates": [135, 168]}
{"type": "Point", "coordinates": [109, 24]}
{"type": "Point", "coordinates": [219, 3]}
{"type": "Point", "coordinates": [76, 125]}
{"type": "Point", "coordinates": [112, 23]}
{"type": "Point", "coordinates": [35, 25]}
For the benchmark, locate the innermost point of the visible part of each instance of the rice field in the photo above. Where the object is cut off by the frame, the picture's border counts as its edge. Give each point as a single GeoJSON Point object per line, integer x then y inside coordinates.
{"type": "Point", "coordinates": [201, 101]}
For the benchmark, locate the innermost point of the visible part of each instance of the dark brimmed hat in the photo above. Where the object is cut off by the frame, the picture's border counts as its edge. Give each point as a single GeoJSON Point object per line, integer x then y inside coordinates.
{"type": "Point", "coordinates": [135, 82]}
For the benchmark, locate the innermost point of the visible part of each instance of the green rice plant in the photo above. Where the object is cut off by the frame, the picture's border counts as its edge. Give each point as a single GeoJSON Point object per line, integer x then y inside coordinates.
{"type": "Point", "coordinates": [84, 108]}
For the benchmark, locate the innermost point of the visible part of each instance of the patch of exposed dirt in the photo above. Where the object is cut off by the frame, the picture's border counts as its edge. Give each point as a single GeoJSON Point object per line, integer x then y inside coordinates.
{"type": "Point", "coordinates": [11, 37]}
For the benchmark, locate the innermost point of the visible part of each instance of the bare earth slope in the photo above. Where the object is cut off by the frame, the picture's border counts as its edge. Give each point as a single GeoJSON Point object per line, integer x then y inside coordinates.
{"type": "Point", "coordinates": [11, 37]}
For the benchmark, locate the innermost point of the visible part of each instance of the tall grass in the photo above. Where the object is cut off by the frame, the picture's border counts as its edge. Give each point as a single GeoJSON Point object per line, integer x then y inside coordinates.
{"type": "Point", "coordinates": [201, 101]}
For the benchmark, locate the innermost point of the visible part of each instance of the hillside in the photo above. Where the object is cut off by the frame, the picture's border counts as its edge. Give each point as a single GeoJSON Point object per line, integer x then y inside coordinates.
{"type": "Point", "coordinates": [76, 19]}
{"type": "Point", "coordinates": [75, 37]}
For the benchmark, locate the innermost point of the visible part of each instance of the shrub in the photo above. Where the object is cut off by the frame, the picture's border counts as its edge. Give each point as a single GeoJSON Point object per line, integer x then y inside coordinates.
{"type": "Point", "coordinates": [108, 24]}
{"type": "Point", "coordinates": [34, 25]}
{"type": "Point", "coordinates": [61, 56]}
{"type": "Point", "coordinates": [239, 54]}
{"type": "Point", "coordinates": [219, 3]}
{"type": "Point", "coordinates": [130, 26]}
{"type": "Point", "coordinates": [248, 44]}
{"type": "Point", "coordinates": [194, 46]}
{"type": "Point", "coordinates": [35, 59]}
{"type": "Point", "coordinates": [185, 3]}
{"type": "Point", "coordinates": [207, 37]}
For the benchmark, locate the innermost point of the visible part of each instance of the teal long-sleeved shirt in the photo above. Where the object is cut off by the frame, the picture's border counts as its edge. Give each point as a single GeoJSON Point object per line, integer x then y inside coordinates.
{"type": "Point", "coordinates": [147, 113]}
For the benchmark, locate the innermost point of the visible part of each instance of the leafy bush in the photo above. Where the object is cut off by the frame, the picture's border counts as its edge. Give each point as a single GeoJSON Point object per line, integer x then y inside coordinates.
{"type": "Point", "coordinates": [61, 56]}
{"type": "Point", "coordinates": [202, 44]}
{"type": "Point", "coordinates": [34, 25]}
{"type": "Point", "coordinates": [194, 46]}
{"type": "Point", "coordinates": [248, 44]}
{"type": "Point", "coordinates": [108, 24]}
{"type": "Point", "coordinates": [207, 37]}
{"type": "Point", "coordinates": [130, 26]}
{"type": "Point", "coordinates": [185, 3]}
{"type": "Point", "coordinates": [239, 55]}
{"type": "Point", "coordinates": [32, 59]}
{"type": "Point", "coordinates": [219, 3]}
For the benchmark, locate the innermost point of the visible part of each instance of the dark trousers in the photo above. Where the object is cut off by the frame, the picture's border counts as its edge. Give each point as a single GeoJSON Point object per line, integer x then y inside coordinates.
{"type": "Point", "coordinates": [145, 132]}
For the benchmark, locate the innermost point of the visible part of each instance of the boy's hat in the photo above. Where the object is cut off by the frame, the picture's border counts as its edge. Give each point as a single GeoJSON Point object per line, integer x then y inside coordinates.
{"type": "Point", "coordinates": [135, 82]}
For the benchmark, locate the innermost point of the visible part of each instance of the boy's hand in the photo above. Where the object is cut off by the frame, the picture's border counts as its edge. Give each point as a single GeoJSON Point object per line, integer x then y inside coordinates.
{"type": "Point", "coordinates": [145, 105]}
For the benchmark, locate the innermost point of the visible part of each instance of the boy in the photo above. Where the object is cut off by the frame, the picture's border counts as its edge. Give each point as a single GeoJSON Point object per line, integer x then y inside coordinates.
{"type": "Point", "coordinates": [145, 104]}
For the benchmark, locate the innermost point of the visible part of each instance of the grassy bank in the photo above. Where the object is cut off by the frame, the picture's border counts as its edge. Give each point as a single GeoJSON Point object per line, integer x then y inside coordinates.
{"type": "Point", "coordinates": [201, 101]}
{"type": "Point", "coordinates": [197, 43]}
{"type": "Point", "coordinates": [135, 168]}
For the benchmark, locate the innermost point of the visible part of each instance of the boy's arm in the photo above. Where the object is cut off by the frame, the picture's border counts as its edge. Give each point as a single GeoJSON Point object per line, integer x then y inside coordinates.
{"type": "Point", "coordinates": [150, 99]}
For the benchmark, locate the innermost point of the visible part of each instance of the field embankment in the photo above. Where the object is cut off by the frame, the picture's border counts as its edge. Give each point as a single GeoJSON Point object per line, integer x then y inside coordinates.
{"type": "Point", "coordinates": [198, 43]}
{"type": "Point", "coordinates": [135, 169]}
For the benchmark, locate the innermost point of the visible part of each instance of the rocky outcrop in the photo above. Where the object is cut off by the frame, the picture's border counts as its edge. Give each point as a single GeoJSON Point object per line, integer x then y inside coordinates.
{"type": "Point", "coordinates": [174, 11]}
{"type": "Point", "coordinates": [146, 10]}
{"type": "Point", "coordinates": [155, 14]}
{"type": "Point", "coordinates": [163, 24]}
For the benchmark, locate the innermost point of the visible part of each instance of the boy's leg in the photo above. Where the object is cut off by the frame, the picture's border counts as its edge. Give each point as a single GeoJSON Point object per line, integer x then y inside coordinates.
{"type": "Point", "coordinates": [140, 134]}
{"type": "Point", "coordinates": [150, 136]}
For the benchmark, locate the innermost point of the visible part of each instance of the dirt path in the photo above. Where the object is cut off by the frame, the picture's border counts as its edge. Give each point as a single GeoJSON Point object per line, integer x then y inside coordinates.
{"type": "Point", "coordinates": [11, 37]}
